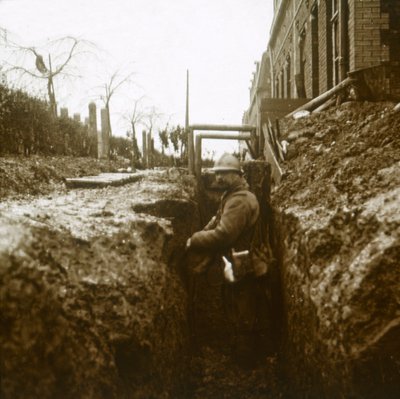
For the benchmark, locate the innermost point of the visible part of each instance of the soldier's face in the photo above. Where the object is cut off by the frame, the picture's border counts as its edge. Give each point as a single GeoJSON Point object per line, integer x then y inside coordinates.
{"type": "Point", "coordinates": [226, 180]}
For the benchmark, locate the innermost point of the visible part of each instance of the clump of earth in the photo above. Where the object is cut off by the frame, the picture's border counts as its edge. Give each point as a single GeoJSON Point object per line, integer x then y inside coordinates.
{"type": "Point", "coordinates": [344, 155]}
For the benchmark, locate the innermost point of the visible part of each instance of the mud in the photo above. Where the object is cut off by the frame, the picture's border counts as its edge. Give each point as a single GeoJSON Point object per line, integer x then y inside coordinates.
{"type": "Point", "coordinates": [92, 302]}
{"type": "Point", "coordinates": [338, 209]}
{"type": "Point", "coordinates": [31, 176]}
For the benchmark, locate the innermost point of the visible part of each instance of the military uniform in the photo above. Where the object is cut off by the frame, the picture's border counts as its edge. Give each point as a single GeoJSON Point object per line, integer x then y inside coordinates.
{"type": "Point", "coordinates": [233, 225]}
{"type": "Point", "coordinates": [233, 228]}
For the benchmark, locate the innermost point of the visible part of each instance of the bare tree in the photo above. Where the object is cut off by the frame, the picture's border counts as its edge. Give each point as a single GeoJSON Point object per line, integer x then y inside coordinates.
{"type": "Point", "coordinates": [151, 117]}
{"type": "Point", "coordinates": [115, 82]}
{"type": "Point", "coordinates": [134, 117]}
{"type": "Point", "coordinates": [57, 62]}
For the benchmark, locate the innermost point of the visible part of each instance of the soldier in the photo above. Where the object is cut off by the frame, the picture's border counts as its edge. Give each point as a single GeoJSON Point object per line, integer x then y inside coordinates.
{"type": "Point", "coordinates": [228, 235]}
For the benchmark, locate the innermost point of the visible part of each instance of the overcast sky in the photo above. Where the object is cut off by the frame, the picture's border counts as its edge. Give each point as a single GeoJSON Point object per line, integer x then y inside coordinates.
{"type": "Point", "coordinates": [158, 40]}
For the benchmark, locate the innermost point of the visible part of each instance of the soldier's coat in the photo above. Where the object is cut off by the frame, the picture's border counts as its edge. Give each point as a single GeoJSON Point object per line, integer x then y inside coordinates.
{"type": "Point", "coordinates": [233, 225]}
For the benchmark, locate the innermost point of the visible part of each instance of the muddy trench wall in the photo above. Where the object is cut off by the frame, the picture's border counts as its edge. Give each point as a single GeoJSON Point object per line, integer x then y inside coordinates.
{"type": "Point", "coordinates": [341, 304]}
{"type": "Point", "coordinates": [92, 300]}
{"type": "Point", "coordinates": [339, 235]}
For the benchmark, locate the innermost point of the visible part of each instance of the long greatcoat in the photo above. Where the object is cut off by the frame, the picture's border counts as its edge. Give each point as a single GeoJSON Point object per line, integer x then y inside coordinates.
{"type": "Point", "coordinates": [233, 225]}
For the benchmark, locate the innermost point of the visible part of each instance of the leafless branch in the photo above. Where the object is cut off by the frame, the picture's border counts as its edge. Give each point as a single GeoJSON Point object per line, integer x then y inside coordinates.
{"type": "Point", "coordinates": [56, 52]}
{"type": "Point", "coordinates": [152, 116]}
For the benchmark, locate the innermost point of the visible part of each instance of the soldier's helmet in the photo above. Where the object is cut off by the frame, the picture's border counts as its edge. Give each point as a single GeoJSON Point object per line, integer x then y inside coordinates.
{"type": "Point", "coordinates": [227, 163]}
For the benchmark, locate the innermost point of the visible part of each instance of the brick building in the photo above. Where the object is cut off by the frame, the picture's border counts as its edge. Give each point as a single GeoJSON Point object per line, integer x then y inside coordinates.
{"type": "Point", "coordinates": [315, 44]}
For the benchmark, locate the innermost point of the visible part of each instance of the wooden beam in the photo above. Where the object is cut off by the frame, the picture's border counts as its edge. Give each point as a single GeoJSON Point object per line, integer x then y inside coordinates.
{"type": "Point", "coordinates": [232, 128]}
{"type": "Point", "coordinates": [222, 136]}
{"type": "Point", "coordinates": [325, 105]}
{"type": "Point", "coordinates": [317, 101]}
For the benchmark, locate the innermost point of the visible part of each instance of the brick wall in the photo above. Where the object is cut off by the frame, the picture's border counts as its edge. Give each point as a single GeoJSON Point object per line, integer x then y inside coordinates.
{"type": "Point", "coordinates": [372, 38]}
{"type": "Point", "coordinates": [366, 22]}
{"type": "Point", "coordinates": [286, 41]}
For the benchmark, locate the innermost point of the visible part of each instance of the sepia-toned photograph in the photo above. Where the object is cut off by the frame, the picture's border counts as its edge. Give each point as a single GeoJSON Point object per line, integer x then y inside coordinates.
{"type": "Point", "coordinates": [200, 199]}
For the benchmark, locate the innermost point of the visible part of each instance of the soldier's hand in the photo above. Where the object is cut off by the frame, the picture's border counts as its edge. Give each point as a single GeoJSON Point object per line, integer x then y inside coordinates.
{"type": "Point", "coordinates": [228, 271]}
{"type": "Point", "coordinates": [188, 243]}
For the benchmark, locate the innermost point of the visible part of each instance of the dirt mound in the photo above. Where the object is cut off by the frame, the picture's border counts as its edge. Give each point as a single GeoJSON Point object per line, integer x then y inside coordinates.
{"type": "Point", "coordinates": [341, 156]}
{"type": "Point", "coordinates": [340, 237]}
{"type": "Point", "coordinates": [21, 176]}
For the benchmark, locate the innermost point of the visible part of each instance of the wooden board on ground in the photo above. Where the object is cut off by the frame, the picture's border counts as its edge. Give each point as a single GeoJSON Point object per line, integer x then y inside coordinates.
{"type": "Point", "coordinates": [103, 180]}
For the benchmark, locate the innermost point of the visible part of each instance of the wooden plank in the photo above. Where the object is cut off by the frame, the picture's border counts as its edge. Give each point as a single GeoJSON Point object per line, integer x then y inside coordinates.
{"type": "Point", "coordinates": [251, 149]}
{"type": "Point", "coordinates": [276, 170]}
{"type": "Point", "coordinates": [276, 145]}
{"type": "Point", "coordinates": [103, 180]}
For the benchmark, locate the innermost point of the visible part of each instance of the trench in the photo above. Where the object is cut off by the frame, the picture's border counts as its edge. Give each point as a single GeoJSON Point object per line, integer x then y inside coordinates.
{"type": "Point", "coordinates": [212, 370]}
{"type": "Point", "coordinates": [96, 300]}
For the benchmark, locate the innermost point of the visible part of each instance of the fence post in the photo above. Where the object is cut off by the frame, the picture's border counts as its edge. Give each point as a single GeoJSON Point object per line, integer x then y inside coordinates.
{"type": "Point", "coordinates": [197, 159]}
{"type": "Point", "coordinates": [92, 128]}
{"type": "Point", "coordinates": [152, 152]}
{"type": "Point", "coordinates": [104, 143]}
{"type": "Point", "coordinates": [190, 151]}
{"type": "Point", "coordinates": [144, 148]}
{"type": "Point", "coordinates": [149, 151]}
{"type": "Point", "coordinates": [64, 112]}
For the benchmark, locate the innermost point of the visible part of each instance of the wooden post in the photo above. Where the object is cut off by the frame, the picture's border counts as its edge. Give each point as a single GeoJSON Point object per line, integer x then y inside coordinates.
{"type": "Point", "coordinates": [92, 129]}
{"type": "Point", "coordinates": [187, 102]}
{"type": "Point", "coordinates": [149, 153]}
{"type": "Point", "coordinates": [77, 117]}
{"type": "Point", "coordinates": [191, 151]}
{"type": "Point", "coordinates": [144, 148]}
{"type": "Point", "coordinates": [64, 112]}
{"type": "Point", "coordinates": [104, 143]}
{"type": "Point", "coordinates": [197, 160]}
{"type": "Point", "coordinates": [92, 120]}
{"type": "Point", "coordinates": [152, 152]}
{"type": "Point", "coordinates": [189, 131]}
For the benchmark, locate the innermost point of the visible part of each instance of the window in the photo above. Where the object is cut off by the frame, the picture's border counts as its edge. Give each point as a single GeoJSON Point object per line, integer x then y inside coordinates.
{"type": "Point", "coordinates": [315, 51]}
{"type": "Point", "coordinates": [335, 41]}
{"type": "Point", "coordinates": [287, 78]}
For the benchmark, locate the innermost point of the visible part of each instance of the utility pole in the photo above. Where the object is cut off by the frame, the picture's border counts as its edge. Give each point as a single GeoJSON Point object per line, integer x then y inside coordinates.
{"type": "Point", "coordinates": [187, 101]}
{"type": "Point", "coordinates": [188, 130]}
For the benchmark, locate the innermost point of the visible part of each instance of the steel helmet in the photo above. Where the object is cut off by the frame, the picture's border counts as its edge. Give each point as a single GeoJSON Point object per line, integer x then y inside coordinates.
{"type": "Point", "coordinates": [227, 163]}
